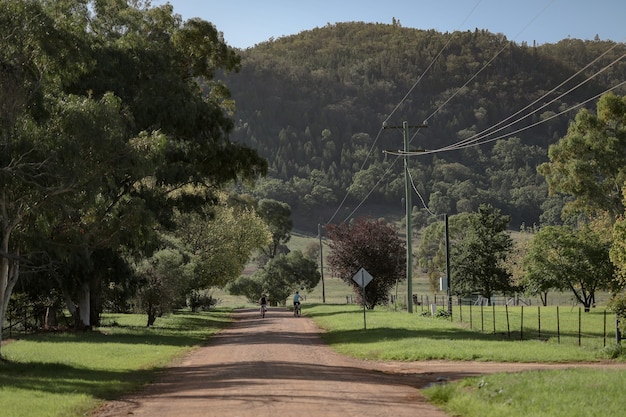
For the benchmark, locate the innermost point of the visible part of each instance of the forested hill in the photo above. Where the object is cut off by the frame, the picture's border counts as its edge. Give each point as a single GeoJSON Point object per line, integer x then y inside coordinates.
{"type": "Point", "coordinates": [313, 104]}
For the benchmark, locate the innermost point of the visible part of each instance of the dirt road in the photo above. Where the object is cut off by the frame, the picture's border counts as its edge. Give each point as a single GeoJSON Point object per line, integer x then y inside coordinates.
{"type": "Point", "coordinates": [278, 365]}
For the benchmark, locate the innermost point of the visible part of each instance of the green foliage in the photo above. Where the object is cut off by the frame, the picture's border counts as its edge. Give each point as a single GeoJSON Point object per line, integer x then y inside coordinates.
{"type": "Point", "coordinates": [477, 260]}
{"type": "Point", "coordinates": [374, 246]}
{"type": "Point", "coordinates": [220, 240]}
{"type": "Point", "coordinates": [589, 162]}
{"type": "Point", "coordinates": [282, 276]}
{"type": "Point", "coordinates": [110, 110]}
{"type": "Point", "coordinates": [250, 287]}
{"type": "Point", "coordinates": [578, 260]}
{"type": "Point", "coordinates": [201, 300]}
{"type": "Point", "coordinates": [343, 78]}
{"type": "Point", "coordinates": [286, 274]}
{"type": "Point", "coordinates": [277, 216]}
{"type": "Point", "coordinates": [164, 280]}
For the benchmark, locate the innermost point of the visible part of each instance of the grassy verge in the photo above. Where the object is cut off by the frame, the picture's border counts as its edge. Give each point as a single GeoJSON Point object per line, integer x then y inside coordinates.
{"type": "Point", "coordinates": [401, 336]}
{"type": "Point", "coordinates": [68, 374]}
{"type": "Point", "coordinates": [571, 392]}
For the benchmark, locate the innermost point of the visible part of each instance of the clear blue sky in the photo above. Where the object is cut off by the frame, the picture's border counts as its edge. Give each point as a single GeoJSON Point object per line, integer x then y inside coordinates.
{"type": "Point", "coordinates": [245, 23]}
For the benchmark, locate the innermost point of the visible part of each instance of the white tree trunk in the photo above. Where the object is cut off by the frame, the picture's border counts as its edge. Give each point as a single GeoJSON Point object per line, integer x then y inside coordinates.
{"type": "Point", "coordinates": [84, 305]}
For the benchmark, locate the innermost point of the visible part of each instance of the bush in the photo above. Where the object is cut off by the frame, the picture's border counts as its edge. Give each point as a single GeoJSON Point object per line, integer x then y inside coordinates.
{"type": "Point", "coordinates": [201, 300]}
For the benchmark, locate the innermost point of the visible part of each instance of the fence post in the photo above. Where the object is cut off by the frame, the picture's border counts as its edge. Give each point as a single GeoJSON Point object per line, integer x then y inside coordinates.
{"type": "Point", "coordinates": [579, 324]}
{"type": "Point", "coordinates": [539, 322]}
{"type": "Point", "coordinates": [508, 323]}
{"type": "Point", "coordinates": [494, 318]}
{"type": "Point", "coordinates": [604, 331]}
{"type": "Point", "coordinates": [521, 325]}
{"type": "Point", "coordinates": [482, 318]}
{"type": "Point", "coordinates": [558, 325]}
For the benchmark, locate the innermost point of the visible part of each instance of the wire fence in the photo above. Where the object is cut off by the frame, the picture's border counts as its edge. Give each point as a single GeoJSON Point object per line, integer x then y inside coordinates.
{"type": "Point", "coordinates": [597, 327]}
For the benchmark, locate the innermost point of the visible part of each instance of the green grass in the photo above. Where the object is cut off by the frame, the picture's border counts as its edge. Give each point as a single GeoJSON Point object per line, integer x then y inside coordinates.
{"type": "Point", "coordinates": [553, 393]}
{"type": "Point", "coordinates": [571, 392]}
{"type": "Point", "coordinates": [396, 335]}
{"type": "Point", "coordinates": [68, 374]}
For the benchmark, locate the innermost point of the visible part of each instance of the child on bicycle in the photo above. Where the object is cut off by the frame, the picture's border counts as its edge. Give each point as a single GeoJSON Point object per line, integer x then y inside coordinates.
{"type": "Point", "coordinates": [263, 303]}
{"type": "Point", "coordinates": [296, 302]}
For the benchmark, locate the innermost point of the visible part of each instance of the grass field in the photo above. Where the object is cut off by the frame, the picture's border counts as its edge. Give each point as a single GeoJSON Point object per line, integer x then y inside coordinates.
{"type": "Point", "coordinates": [69, 374]}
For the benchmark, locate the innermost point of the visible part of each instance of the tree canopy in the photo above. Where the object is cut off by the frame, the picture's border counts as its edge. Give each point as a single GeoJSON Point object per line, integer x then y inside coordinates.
{"type": "Point", "coordinates": [313, 104]}
{"type": "Point", "coordinates": [477, 261]}
{"type": "Point", "coordinates": [370, 244]}
{"type": "Point", "coordinates": [575, 260]}
{"type": "Point", "coordinates": [589, 162]}
{"type": "Point", "coordinates": [111, 121]}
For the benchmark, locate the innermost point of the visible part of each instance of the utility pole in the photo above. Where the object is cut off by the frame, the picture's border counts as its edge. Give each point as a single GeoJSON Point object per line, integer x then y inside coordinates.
{"type": "Point", "coordinates": [319, 233]}
{"type": "Point", "coordinates": [448, 266]}
{"type": "Point", "coordinates": [409, 234]}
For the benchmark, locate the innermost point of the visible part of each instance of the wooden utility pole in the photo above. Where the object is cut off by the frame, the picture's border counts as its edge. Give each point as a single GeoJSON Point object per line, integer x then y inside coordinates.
{"type": "Point", "coordinates": [408, 207]}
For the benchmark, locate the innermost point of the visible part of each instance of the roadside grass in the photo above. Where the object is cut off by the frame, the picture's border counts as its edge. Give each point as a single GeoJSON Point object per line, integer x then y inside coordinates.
{"type": "Point", "coordinates": [555, 393]}
{"type": "Point", "coordinates": [551, 393]}
{"type": "Point", "coordinates": [69, 374]}
{"type": "Point", "coordinates": [391, 335]}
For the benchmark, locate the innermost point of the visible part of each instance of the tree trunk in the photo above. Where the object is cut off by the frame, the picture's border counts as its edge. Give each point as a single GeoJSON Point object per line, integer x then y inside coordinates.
{"type": "Point", "coordinates": [50, 320]}
{"type": "Point", "coordinates": [9, 273]}
{"type": "Point", "coordinates": [84, 304]}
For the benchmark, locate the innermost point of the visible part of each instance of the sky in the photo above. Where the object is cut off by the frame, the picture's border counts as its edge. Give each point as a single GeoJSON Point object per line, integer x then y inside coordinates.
{"type": "Point", "coordinates": [245, 23]}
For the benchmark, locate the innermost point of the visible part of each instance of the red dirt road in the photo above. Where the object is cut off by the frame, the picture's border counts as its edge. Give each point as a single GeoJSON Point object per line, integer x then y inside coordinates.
{"type": "Point", "coordinates": [278, 365]}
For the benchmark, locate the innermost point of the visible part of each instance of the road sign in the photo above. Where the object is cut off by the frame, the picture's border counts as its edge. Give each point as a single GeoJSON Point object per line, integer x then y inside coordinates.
{"type": "Point", "coordinates": [362, 278]}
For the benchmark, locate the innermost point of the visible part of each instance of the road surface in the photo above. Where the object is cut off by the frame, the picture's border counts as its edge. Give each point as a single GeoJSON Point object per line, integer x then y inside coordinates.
{"type": "Point", "coordinates": [279, 366]}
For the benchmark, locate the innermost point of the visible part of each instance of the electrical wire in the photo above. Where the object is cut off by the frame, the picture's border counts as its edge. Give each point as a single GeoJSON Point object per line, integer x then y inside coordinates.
{"type": "Point", "coordinates": [477, 139]}
{"type": "Point", "coordinates": [391, 114]}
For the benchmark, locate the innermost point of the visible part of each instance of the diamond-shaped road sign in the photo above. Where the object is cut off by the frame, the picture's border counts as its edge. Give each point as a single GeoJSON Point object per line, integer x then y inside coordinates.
{"type": "Point", "coordinates": [362, 278]}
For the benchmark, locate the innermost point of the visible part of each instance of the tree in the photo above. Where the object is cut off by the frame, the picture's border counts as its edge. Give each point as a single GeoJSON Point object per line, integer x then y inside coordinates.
{"type": "Point", "coordinates": [477, 262]}
{"type": "Point", "coordinates": [285, 274]}
{"type": "Point", "coordinates": [589, 162]}
{"type": "Point", "coordinates": [372, 245]}
{"type": "Point", "coordinates": [103, 125]}
{"type": "Point", "coordinates": [277, 215]}
{"type": "Point", "coordinates": [431, 252]}
{"type": "Point", "coordinates": [565, 258]}
{"type": "Point", "coordinates": [281, 276]}
{"type": "Point", "coordinates": [34, 182]}
{"type": "Point", "coordinates": [165, 278]}
{"type": "Point", "coordinates": [221, 240]}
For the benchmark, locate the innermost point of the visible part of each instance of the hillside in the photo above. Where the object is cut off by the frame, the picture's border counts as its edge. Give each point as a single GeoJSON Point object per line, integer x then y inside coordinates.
{"type": "Point", "coordinates": [314, 103]}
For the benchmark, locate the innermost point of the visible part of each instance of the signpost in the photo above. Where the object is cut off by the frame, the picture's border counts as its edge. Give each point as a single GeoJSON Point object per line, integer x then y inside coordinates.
{"type": "Point", "coordinates": [362, 278]}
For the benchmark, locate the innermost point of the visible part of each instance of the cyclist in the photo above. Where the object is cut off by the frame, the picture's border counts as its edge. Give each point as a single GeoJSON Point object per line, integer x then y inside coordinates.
{"type": "Point", "coordinates": [296, 303]}
{"type": "Point", "coordinates": [263, 303]}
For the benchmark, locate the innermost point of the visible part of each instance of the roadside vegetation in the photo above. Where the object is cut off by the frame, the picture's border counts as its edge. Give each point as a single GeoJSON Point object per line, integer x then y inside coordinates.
{"type": "Point", "coordinates": [71, 374]}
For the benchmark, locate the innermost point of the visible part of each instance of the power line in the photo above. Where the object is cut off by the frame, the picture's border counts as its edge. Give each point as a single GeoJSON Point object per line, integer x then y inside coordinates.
{"type": "Point", "coordinates": [391, 114]}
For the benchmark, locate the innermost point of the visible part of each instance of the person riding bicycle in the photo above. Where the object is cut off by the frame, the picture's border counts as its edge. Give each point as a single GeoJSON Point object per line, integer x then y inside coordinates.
{"type": "Point", "coordinates": [296, 302]}
{"type": "Point", "coordinates": [263, 303]}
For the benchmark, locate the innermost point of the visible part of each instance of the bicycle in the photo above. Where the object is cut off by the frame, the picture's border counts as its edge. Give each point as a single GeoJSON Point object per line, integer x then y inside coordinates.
{"type": "Point", "coordinates": [297, 309]}
{"type": "Point", "coordinates": [263, 310]}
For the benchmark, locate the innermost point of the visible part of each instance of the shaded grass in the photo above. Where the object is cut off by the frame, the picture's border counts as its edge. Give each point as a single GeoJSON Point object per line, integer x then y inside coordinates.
{"type": "Point", "coordinates": [66, 374]}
